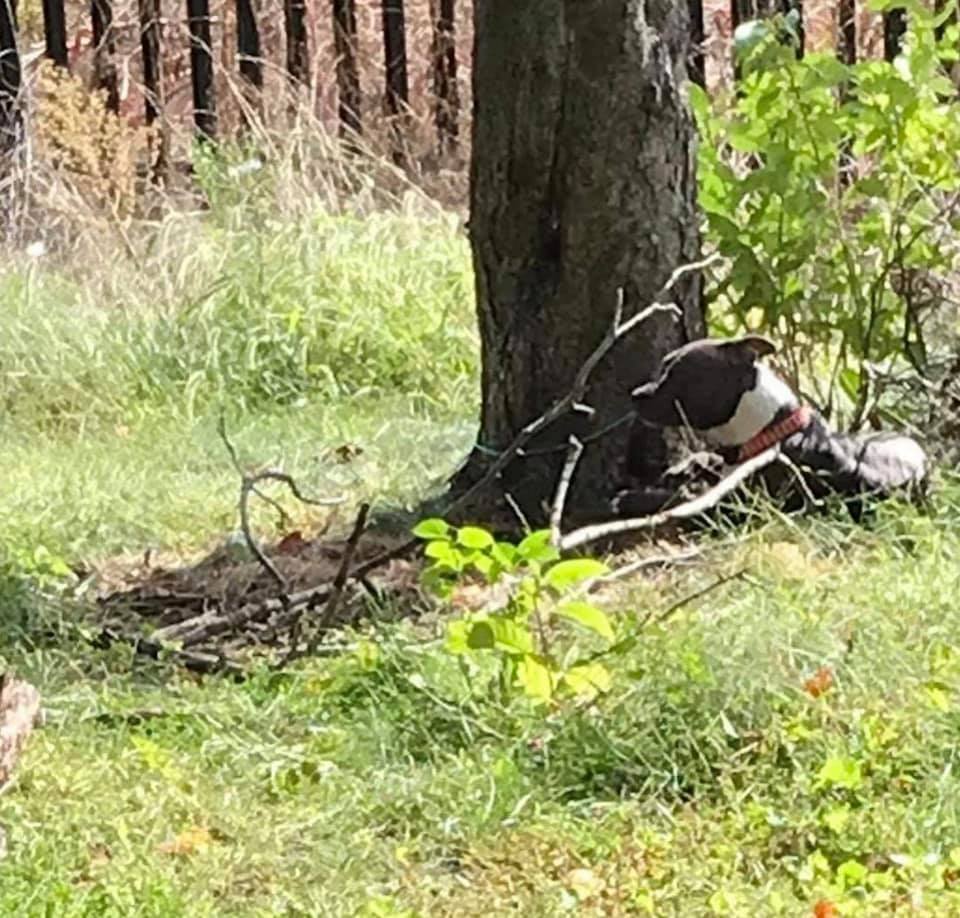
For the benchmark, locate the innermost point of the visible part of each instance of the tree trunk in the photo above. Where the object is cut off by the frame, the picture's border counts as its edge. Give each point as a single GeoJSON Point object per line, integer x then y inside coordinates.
{"type": "Point", "coordinates": [582, 182]}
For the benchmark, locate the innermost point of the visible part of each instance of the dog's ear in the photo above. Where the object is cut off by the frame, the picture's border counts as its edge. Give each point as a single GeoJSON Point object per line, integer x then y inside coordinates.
{"type": "Point", "coordinates": [751, 347]}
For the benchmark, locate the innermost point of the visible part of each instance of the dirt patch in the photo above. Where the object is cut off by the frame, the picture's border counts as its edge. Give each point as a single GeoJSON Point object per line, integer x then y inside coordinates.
{"type": "Point", "coordinates": [225, 607]}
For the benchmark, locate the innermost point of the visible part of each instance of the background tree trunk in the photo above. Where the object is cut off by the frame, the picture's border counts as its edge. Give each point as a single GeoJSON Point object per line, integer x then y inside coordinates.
{"type": "Point", "coordinates": [583, 180]}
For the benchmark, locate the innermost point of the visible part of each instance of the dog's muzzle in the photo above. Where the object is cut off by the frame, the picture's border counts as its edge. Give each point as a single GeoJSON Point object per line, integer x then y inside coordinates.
{"type": "Point", "coordinates": [797, 420]}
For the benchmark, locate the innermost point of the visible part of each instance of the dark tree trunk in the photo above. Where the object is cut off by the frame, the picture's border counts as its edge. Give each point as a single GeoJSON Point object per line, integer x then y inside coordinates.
{"type": "Point", "coordinates": [847, 52]}
{"type": "Point", "coordinates": [11, 79]}
{"type": "Point", "coordinates": [445, 92]}
{"type": "Point", "coordinates": [348, 72]}
{"type": "Point", "coordinates": [201, 69]}
{"type": "Point", "coordinates": [55, 31]}
{"type": "Point", "coordinates": [395, 56]}
{"type": "Point", "coordinates": [248, 45]}
{"type": "Point", "coordinates": [150, 48]}
{"type": "Point", "coordinates": [847, 31]}
{"type": "Point", "coordinates": [397, 94]}
{"type": "Point", "coordinates": [298, 55]}
{"type": "Point", "coordinates": [697, 63]}
{"type": "Point", "coordinates": [104, 51]}
{"type": "Point", "coordinates": [582, 182]}
{"type": "Point", "coordinates": [150, 51]}
{"type": "Point", "coordinates": [894, 28]}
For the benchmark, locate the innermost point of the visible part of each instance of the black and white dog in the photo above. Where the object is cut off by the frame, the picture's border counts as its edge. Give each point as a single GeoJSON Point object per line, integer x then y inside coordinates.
{"type": "Point", "coordinates": [720, 389]}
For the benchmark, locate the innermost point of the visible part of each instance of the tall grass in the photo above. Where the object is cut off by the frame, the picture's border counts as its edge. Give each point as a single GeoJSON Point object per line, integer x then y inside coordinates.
{"type": "Point", "coordinates": [246, 303]}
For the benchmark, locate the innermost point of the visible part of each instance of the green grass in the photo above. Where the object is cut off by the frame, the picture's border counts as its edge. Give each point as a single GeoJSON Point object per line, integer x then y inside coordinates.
{"type": "Point", "coordinates": [707, 781]}
{"type": "Point", "coordinates": [376, 781]}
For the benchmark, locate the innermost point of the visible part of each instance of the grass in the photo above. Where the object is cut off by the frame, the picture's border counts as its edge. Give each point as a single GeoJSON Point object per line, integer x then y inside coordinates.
{"type": "Point", "coordinates": [708, 781]}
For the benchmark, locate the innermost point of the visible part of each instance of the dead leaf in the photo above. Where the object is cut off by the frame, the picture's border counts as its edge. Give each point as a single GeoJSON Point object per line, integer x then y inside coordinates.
{"type": "Point", "coordinates": [584, 882]}
{"type": "Point", "coordinates": [292, 543]}
{"type": "Point", "coordinates": [188, 842]}
{"type": "Point", "coordinates": [821, 681]}
{"type": "Point", "coordinates": [825, 909]}
{"type": "Point", "coordinates": [345, 452]}
{"type": "Point", "coordinates": [100, 855]}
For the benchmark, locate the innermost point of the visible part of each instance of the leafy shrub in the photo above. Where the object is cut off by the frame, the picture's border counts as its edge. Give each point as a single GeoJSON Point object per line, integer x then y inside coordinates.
{"type": "Point", "coordinates": [833, 191]}
{"type": "Point", "coordinates": [519, 624]}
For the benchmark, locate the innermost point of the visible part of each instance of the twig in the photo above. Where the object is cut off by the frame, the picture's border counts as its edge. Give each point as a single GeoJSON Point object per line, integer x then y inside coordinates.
{"type": "Point", "coordinates": [694, 507]}
{"type": "Point", "coordinates": [248, 486]}
{"type": "Point", "coordinates": [679, 557]}
{"type": "Point", "coordinates": [784, 459]}
{"type": "Point", "coordinates": [340, 581]}
{"type": "Point", "coordinates": [517, 511]}
{"type": "Point", "coordinates": [574, 453]}
{"type": "Point", "coordinates": [651, 619]}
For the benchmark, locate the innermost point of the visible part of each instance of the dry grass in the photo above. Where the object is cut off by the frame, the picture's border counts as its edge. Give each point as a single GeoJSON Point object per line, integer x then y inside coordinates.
{"type": "Point", "coordinates": [279, 114]}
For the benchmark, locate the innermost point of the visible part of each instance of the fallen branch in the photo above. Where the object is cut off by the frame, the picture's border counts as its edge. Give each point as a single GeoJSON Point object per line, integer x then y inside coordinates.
{"type": "Point", "coordinates": [690, 508]}
{"type": "Point", "coordinates": [19, 713]}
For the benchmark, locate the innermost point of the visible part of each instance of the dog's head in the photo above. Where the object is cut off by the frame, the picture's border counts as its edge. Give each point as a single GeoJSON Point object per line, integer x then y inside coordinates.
{"type": "Point", "coordinates": [701, 383]}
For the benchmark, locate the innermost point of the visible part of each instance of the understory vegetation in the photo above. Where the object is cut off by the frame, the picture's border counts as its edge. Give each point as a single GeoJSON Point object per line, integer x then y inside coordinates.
{"type": "Point", "coordinates": [775, 728]}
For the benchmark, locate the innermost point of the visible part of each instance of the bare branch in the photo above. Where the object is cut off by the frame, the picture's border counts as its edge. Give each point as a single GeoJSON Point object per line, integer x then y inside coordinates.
{"type": "Point", "coordinates": [690, 508]}
{"type": "Point", "coordinates": [679, 557]}
{"type": "Point", "coordinates": [340, 581]}
{"type": "Point", "coordinates": [248, 486]}
{"type": "Point", "coordinates": [563, 486]}
{"type": "Point", "coordinates": [784, 459]}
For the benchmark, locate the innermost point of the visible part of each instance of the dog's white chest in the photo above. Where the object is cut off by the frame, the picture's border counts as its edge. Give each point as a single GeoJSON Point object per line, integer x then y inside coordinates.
{"type": "Point", "coordinates": [757, 408]}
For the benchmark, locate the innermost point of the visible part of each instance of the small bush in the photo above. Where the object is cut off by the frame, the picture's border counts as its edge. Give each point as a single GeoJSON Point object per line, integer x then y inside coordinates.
{"type": "Point", "coordinates": [833, 193]}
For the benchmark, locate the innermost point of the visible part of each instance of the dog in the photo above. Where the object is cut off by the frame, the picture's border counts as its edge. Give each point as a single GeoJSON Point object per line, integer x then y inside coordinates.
{"type": "Point", "coordinates": [721, 389]}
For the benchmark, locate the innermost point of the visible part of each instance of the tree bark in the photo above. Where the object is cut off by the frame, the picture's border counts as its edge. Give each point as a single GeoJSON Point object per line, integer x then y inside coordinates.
{"type": "Point", "coordinates": [104, 51]}
{"type": "Point", "coordinates": [582, 182]}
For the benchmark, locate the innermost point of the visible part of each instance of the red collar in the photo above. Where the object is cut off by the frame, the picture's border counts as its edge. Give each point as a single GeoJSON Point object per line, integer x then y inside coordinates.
{"type": "Point", "coordinates": [798, 419]}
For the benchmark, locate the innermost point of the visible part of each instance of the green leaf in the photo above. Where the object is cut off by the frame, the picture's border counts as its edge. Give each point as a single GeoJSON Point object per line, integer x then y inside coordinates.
{"type": "Point", "coordinates": [445, 553]}
{"type": "Point", "coordinates": [505, 555]}
{"type": "Point", "coordinates": [474, 537]}
{"type": "Point", "coordinates": [458, 636]}
{"type": "Point", "coordinates": [537, 547]}
{"type": "Point", "coordinates": [480, 636]}
{"type": "Point", "coordinates": [510, 636]}
{"type": "Point", "coordinates": [851, 874]}
{"type": "Point", "coordinates": [840, 771]}
{"type": "Point", "coordinates": [432, 529]}
{"type": "Point", "coordinates": [535, 677]}
{"type": "Point", "coordinates": [748, 35]}
{"type": "Point", "coordinates": [588, 679]}
{"type": "Point", "coordinates": [589, 616]}
{"type": "Point", "coordinates": [836, 819]}
{"type": "Point", "coordinates": [566, 574]}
